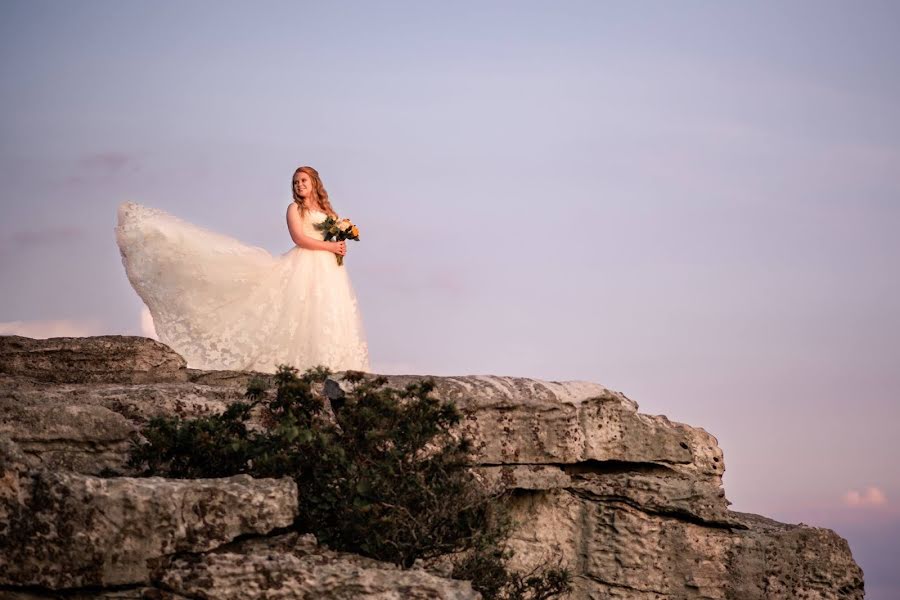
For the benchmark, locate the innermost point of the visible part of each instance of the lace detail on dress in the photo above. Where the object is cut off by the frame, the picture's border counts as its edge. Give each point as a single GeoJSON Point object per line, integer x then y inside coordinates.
{"type": "Point", "coordinates": [223, 304]}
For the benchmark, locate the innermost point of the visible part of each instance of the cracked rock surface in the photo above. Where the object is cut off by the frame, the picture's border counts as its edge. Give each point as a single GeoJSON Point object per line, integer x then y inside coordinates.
{"type": "Point", "coordinates": [294, 566]}
{"type": "Point", "coordinates": [632, 503]}
{"type": "Point", "coordinates": [67, 530]}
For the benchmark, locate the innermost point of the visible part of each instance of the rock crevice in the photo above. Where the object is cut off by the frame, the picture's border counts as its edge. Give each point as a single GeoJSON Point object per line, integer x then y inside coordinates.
{"type": "Point", "coordinates": [632, 503]}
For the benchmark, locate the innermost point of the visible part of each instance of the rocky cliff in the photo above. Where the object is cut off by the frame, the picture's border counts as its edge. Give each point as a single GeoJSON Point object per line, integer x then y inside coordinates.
{"type": "Point", "coordinates": [632, 503]}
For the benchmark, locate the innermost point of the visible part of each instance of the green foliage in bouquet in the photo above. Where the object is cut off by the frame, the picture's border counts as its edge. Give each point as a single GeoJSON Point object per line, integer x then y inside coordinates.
{"type": "Point", "coordinates": [338, 230]}
{"type": "Point", "coordinates": [381, 474]}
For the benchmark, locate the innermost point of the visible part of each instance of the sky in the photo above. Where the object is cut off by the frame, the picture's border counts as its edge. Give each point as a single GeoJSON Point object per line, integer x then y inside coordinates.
{"type": "Point", "coordinates": [693, 203]}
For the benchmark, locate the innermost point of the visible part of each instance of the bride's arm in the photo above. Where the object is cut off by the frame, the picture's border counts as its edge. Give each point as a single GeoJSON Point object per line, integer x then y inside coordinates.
{"type": "Point", "coordinates": [295, 227]}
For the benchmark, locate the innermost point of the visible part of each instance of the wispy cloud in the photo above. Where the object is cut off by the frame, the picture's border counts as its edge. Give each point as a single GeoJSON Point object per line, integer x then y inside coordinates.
{"type": "Point", "coordinates": [870, 496]}
{"type": "Point", "coordinates": [52, 328]}
{"type": "Point", "coordinates": [102, 166]}
{"type": "Point", "coordinates": [41, 237]}
{"type": "Point", "coordinates": [109, 163]}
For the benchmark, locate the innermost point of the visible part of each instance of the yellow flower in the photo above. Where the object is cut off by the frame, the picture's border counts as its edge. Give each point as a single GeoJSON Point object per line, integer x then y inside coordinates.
{"type": "Point", "coordinates": [354, 231]}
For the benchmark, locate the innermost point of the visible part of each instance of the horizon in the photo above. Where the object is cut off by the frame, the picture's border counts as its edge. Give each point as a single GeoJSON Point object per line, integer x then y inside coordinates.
{"type": "Point", "coordinates": [694, 205]}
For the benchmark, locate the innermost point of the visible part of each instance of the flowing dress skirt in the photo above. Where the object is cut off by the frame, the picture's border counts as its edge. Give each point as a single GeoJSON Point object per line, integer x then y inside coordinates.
{"type": "Point", "coordinates": [223, 304]}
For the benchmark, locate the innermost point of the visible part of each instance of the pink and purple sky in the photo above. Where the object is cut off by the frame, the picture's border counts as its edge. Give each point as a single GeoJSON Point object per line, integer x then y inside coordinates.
{"type": "Point", "coordinates": [694, 203]}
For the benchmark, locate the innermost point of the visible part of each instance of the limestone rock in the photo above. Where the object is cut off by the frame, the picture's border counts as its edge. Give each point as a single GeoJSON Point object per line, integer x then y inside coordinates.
{"type": "Point", "coordinates": [525, 421]}
{"type": "Point", "coordinates": [578, 427]}
{"type": "Point", "coordinates": [662, 492]}
{"type": "Point", "coordinates": [81, 437]}
{"type": "Point", "coordinates": [618, 550]}
{"type": "Point", "coordinates": [12, 459]}
{"type": "Point", "coordinates": [632, 503]}
{"type": "Point", "coordinates": [68, 530]}
{"type": "Point", "coordinates": [294, 566]}
{"type": "Point", "coordinates": [98, 359]}
{"type": "Point", "coordinates": [87, 427]}
{"type": "Point", "coordinates": [130, 593]}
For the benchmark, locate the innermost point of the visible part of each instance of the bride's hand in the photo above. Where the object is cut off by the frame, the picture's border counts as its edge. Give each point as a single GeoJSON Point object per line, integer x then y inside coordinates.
{"type": "Point", "coordinates": [340, 248]}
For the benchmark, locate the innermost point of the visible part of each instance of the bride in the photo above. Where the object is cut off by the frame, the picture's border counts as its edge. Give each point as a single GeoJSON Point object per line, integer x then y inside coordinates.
{"type": "Point", "coordinates": [223, 304]}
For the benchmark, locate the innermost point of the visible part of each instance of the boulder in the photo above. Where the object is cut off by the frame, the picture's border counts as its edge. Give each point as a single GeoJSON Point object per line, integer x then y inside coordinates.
{"type": "Point", "coordinates": [67, 530]}
{"type": "Point", "coordinates": [97, 359]}
{"type": "Point", "coordinates": [295, 566]}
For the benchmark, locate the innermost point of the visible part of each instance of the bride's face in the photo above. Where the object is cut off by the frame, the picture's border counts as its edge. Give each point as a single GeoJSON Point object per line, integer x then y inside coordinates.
{"type": "Point", "coordinates": [302, 185]}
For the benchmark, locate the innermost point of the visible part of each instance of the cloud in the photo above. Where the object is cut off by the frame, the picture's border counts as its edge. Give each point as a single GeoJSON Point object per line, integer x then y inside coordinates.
{"type": "Point", "coordinates": [871, 496]}
{"type": "Point", "coordinates": [109, 163]}
{"type": "Point", "coordinates": [102, 166]}
{"type": "Point", "coordinates": [52, 328]}
{"type": "Point", "coordinates": [50, 235]}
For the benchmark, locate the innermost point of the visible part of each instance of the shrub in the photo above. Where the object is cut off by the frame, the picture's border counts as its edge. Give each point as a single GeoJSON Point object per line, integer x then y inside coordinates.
{"type": "Point", "coordinates": [382, 475]}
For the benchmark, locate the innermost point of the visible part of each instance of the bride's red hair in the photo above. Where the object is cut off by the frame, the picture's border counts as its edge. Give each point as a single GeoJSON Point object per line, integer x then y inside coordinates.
{"type": "Point", "coordinates": [318, 190]}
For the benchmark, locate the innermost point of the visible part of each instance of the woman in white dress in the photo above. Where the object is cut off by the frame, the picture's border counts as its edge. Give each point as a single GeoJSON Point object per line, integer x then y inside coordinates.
{"type": "Point", "coordinates": [223, 304]}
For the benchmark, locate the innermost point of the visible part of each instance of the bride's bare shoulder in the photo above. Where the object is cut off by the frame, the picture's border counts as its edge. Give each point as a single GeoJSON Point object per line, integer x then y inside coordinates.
{"type": "Point", "coordinates": [294, 218]}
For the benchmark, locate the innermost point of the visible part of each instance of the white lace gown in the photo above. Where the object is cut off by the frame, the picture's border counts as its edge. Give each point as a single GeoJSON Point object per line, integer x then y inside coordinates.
{"type": "Point", "coordinates": [223, 304]}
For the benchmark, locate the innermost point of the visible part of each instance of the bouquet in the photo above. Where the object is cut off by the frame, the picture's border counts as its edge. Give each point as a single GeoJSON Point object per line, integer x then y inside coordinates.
{"type": "Point", "coordinates": [338, 230]}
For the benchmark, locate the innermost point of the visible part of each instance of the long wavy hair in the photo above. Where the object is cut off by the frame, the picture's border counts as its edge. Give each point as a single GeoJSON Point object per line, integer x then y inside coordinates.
{"type": "Point", "coordinates": [318, 191]}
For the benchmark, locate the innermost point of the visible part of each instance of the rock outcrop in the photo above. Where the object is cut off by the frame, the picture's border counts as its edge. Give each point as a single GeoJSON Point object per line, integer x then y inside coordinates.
{"type": "Point", "coordinates": [67, 530]}
{"type": "Point", "coordinates": [295, 566]}
{"type": "Point", "coordinates": [632, 503]}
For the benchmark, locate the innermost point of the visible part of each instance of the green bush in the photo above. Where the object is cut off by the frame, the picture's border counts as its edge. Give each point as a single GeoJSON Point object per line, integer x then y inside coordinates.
{"type": "Point", "coordinates": [381, 475]}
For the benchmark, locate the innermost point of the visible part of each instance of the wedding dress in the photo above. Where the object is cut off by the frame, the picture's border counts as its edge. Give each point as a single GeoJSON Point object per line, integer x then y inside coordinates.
{"type": "Point", "coordinates": [223, 304]}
